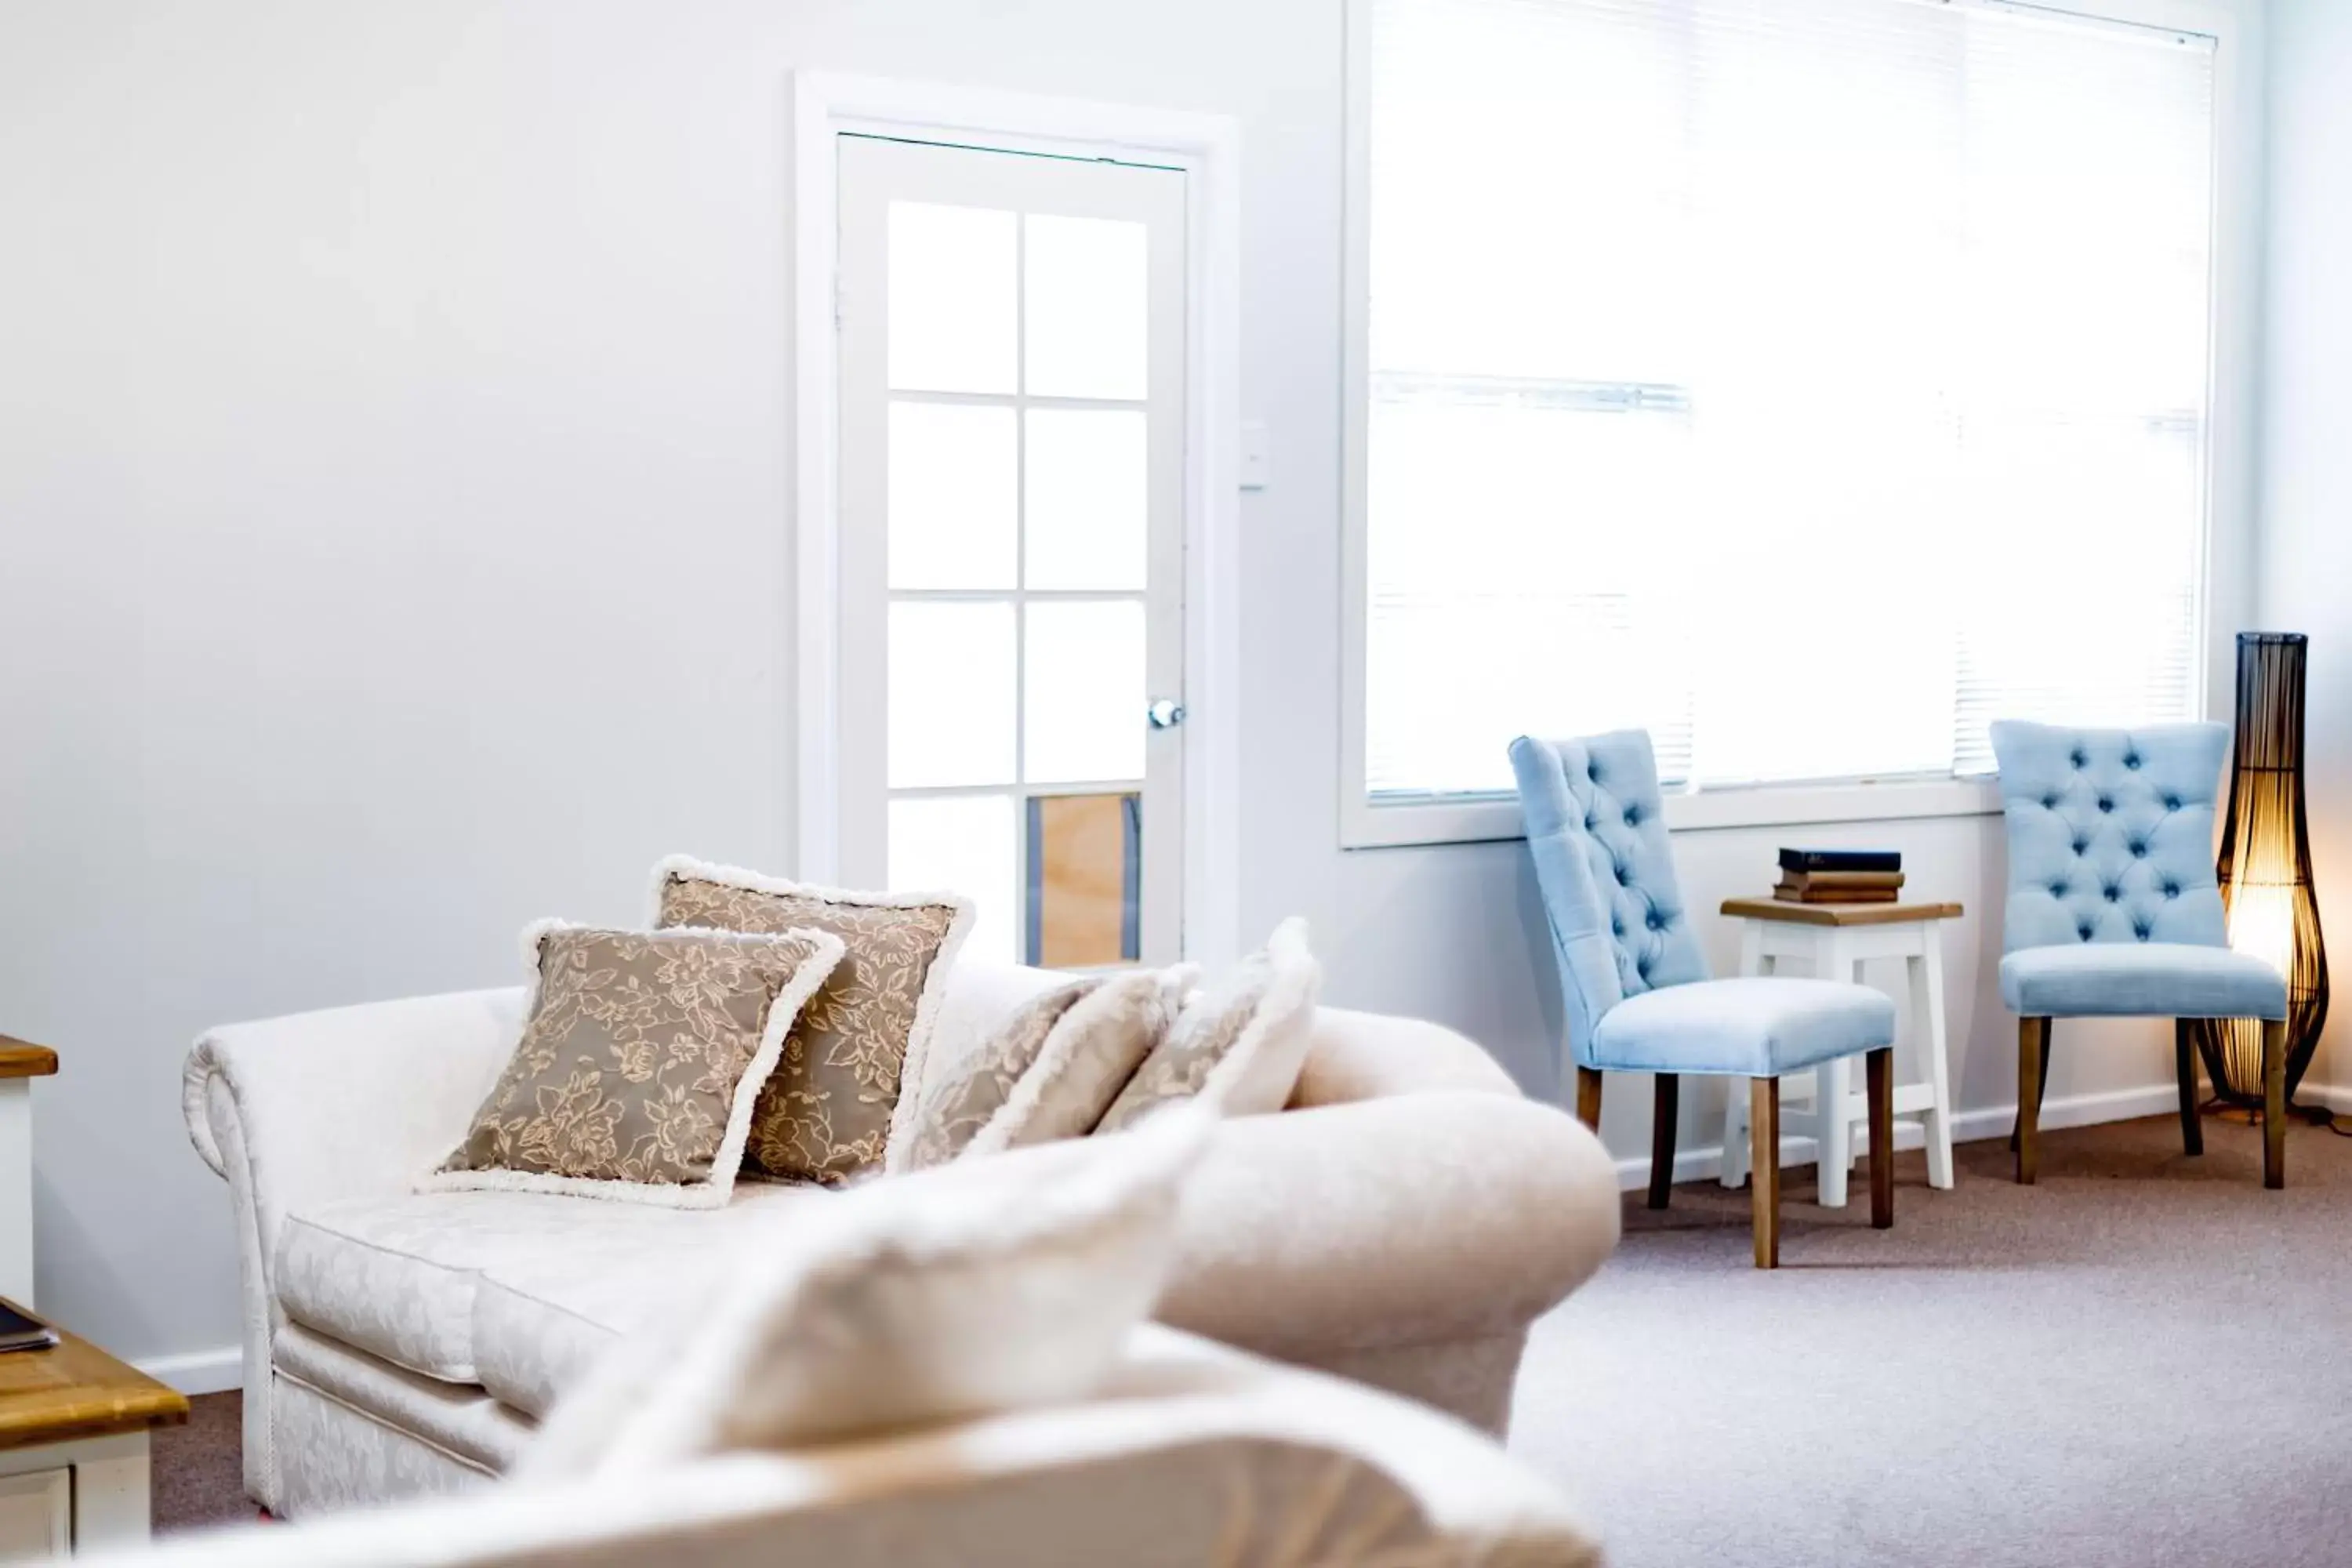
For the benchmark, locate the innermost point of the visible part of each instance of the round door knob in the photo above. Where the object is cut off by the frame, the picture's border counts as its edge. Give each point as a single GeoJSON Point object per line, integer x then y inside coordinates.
{"type": "Point", "coordinates": [1165, 714]}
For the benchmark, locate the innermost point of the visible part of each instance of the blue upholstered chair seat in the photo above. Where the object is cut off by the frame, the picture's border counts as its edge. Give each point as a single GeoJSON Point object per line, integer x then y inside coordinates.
{"type": "Point", "coordinates": [2142, 979]}
{"type": "Point", "coordinates": [1754, 1028]}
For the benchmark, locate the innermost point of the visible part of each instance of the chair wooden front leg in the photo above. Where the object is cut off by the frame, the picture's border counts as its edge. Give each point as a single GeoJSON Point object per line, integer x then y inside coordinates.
{"type": "Point", "coordinates": [1587, 1097]}
{"type": "Point", "coordinates": [2184, 1067]}
{"type": "Point", "coordinates": [2033, 1064]}
{"type": "Point", "coordinates": [2040, 1081]}
{"type": "Point", "coordinates": [1663, 1119]}
{"type": "Point", "coordinates": [2274, 1103]}
{"type": "Point", "coordinates": [1878, 1069]}
{"type": "Point", "coordinates": [1764, 1159]}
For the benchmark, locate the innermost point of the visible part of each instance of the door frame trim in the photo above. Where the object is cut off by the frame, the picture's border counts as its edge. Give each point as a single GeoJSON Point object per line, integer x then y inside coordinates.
{"type": "Point", "coordinates": [1207, 148]}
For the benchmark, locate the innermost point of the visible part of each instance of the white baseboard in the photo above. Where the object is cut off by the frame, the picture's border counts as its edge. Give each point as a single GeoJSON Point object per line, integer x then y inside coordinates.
{"type": "Point", "coordinates": [198, 1371]}
{"type": "Point", "coordinates": [1991, 1121]}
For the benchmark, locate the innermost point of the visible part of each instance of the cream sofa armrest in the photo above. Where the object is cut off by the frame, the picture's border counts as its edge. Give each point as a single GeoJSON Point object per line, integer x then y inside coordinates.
{"type": "Point", "coordinates": [1366, 1055]}
{"type": "Point", "coordinates": [1197, 1454]}
{"type": "Point", "coordinates": [1417, 1219]}
{"type": "Point", "coordinates": [350, 1101]}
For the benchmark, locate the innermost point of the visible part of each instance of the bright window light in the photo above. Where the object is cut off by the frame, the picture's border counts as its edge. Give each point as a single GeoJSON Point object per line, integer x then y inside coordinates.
{"type": "Point", "coordinates": [1810, 383]}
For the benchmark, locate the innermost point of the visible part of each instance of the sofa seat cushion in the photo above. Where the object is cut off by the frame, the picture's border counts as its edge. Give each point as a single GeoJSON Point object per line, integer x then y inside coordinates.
{"type": "Point", "coordinates": [2140, 979]}
{"type": "Point", "coordinates": [1755, 1026]}
{"type": "Point", "coordinates": [398, 1277]}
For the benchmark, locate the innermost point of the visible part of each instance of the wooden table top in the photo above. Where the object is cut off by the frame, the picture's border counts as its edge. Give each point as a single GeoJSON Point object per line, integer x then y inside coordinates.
{"type": "Point", "coordinates": [22, 1059]}
{"type": "Point", "coordinates": [1794, 913]}
{"type": "Point", "coordinates": [74, 1389]}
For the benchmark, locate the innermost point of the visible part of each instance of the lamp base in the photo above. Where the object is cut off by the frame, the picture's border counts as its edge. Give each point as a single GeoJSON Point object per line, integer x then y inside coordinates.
{"type": "Point", "coordinates": [2251, 1115]}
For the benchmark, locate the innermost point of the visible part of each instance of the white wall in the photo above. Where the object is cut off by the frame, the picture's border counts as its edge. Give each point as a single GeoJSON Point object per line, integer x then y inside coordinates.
{"type": "Point", "coordinates": [394, 477]}
{"type": "Point", "coordinates": [2306, 561]}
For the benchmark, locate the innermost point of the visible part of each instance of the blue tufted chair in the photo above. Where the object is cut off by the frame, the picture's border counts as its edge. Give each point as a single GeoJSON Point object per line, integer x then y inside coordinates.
{"type": "Point", "coordinates": [2114, 909]}
{"type": "Point", "coordinates": [1634, 981]}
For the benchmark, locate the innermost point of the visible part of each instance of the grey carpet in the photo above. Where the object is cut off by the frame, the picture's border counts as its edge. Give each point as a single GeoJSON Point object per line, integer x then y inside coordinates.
{"type": "Point", "coordinates": [197, 1470]}
{"type": "Point", "coordinates": [2143, 1360]}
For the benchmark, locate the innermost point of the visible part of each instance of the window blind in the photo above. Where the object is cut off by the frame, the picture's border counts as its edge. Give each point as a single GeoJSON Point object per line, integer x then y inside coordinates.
{"type": "Point", "coordinates": [1810, 383]}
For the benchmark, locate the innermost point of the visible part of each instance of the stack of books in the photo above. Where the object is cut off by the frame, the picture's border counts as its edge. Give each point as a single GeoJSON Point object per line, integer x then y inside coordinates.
{"type": "Point", "coordinates": [1839, 876]}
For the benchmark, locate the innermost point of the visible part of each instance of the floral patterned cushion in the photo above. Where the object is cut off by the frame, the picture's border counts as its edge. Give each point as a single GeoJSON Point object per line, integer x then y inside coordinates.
{"type": "Point", "coordinates": [959, 1106]}
{"type": "Point", "coordinates": [833, 1109]}
{"type": "Point", "coordinates": [1238, 1044]}
{"type": "Point", "coordinates": [642, 1055]}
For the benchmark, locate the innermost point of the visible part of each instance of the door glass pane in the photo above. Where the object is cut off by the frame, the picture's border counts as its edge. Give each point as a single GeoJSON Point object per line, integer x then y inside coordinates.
{"type": "Point", "coordinates": [1086, 879]}
{"type": "Point", "coordinates": [951, 315]}
{"type": "Point", "coordinates": [1084, 692]}
{"type": "Point", "coordinates": [961, 844]}
{"type": "Point", "coordinates": [1085, 302]}
{"type": "Point", "coordinates": [1087, 499]}
{"type": "Point", "coordinates": [954, 497]}
{"type": "Point", "coordinates": [951, 681]}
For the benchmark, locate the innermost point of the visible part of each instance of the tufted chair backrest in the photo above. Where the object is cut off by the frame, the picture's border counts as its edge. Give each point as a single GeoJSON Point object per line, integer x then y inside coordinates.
{"type": "Point", "coordinates": [2110, 832]}
{"type": "Point", "coordinates": [1597, 828]}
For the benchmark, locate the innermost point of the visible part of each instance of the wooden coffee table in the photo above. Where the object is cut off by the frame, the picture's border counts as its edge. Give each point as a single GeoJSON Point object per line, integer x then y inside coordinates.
{"type": "Point", "coordinates": [73, 1448]}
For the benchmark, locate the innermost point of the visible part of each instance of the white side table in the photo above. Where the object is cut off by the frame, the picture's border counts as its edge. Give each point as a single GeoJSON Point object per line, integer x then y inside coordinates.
{"type": "Point", "coordinates": [1832, 941]}
{"type": "Point", "coordinates": [20, 1064]}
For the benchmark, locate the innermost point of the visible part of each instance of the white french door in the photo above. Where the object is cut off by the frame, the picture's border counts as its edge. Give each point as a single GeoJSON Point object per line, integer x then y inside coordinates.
{"type": "Point", "coordinates": [1012, 354]}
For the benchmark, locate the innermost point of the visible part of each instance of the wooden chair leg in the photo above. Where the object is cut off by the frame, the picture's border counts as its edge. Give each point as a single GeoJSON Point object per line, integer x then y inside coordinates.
{"type": "Point", "coordinates": [2040, 1081]}
{"type": "Point", "coordinates": [1764, 1143]}
{"type": "Point", "coordinates": [2274, 1103]}
{"type": "Point", "coordinates": [1878, 1069]}
{"type": "Point", "coordinates": [2033, 1074]}
{"type": "Point", "coordinates": [2184, 1067]}
{"type": "Point", "coordinates": [1587, 1097]}
{"type": "Point", "coordinates": [1662, 1124]}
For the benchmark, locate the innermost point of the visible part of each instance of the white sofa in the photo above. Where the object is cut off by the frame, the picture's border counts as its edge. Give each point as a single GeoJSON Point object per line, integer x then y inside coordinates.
{"type": "Point", "coordinates": [1194, 1454]}
{"type": "Point", "coordinates": [1400, 1224]}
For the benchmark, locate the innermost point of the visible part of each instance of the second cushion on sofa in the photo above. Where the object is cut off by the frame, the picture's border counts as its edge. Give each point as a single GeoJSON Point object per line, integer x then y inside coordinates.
{"type": "Point", "coordinates": [833, 1108]}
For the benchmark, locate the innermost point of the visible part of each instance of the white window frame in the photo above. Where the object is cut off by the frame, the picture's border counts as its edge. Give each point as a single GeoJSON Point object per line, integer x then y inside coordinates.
{"type": "Point", "coordinates": [2236, 27]}
{"type": "Point", "coordinates": [1207, 147]}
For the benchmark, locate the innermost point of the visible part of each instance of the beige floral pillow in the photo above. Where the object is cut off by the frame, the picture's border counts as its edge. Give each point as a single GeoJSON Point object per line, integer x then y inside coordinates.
{"type": "Point", "coordinates": [1238, 1044]}
{"type": "Point", "coordinates": [957, 1107]}
{"type": "Point", "coordinates": [833, 1109]}
{"type": "Point", "coordinates": [641, 1057]}
{"type": "Point", "coordinates": [1050, 1070]}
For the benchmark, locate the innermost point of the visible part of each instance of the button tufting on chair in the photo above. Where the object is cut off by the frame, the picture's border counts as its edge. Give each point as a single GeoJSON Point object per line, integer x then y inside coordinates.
{"type": "Point", "coordinates": [2131, 761]}
{"type": "Point", "coordinates": [1632, 816]}
{"type": "Point", "coordinates": [1657, 922]}
{"type": "Point", "coordinates": [2080, 759]}
{"type": "Point", "coordinates": [2081, 845]}
{"type": "Point", "coordinates": [2049, 803]}
{"type": "Point", "coordinates": [2106, 803]}
{"type": "Point", "coordinates": [2140, 930]}
{"type": "Point", "coordinates": [2057, 890]}
{"type": "Point", "coordinates": [2114, 892]}
{"type": "Point", "coordinates": [2172, 890]}
{"type": "Point", "coordinates": [2084, 930]}
{"type": "Point", "coordinates": [2172, 803]}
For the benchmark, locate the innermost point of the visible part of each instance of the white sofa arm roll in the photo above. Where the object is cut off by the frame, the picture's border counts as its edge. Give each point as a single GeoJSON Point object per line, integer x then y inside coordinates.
{"type": "Point", "coordinates": [1418, 1219]}
{"type": "Point", "coordinates": [351, 1102]}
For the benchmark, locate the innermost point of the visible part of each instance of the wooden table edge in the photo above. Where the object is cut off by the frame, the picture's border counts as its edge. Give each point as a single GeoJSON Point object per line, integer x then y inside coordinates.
{"type": "Point", "coordinates": [22, 1059]}
{"type": "Point", "coordinates": [104, 1397]}
{"type": "Point", "coordinates": [1790, 912]}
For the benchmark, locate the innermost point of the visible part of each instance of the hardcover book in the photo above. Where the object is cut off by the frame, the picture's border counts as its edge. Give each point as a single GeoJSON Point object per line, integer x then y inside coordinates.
{"type": "Point", "coordinates": [1840, 861]}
